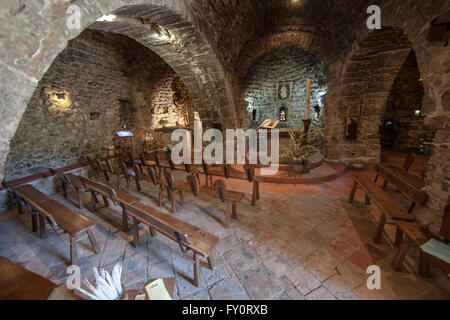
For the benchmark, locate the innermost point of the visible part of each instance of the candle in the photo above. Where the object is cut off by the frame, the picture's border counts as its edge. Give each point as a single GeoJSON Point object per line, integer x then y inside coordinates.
{"type": "Point", "coordinates": [308, 98]}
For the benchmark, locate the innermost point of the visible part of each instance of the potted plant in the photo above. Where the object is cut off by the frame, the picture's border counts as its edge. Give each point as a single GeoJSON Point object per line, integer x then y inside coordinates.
{"type": "Point", "coordinates": [301, 146]}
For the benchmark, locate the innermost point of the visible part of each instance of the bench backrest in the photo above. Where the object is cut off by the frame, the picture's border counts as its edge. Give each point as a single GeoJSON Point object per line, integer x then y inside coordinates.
{"type": "Point", "coordinates": [94, 164]}
{"type": "Point", "coordinates": [152, 174]}
{"type": "Point", "coordinates": [100, 188]}
{"type": "Point", "coordinates": [409, 160]}
{"type": "Point", "coordinates": [59, 175]}
{"type": "Point", "coordinates": [160, 225]}
{"type": "Point", "coordinates": [445, 229]}
{"type": "Point", "coordinates": [411, 192]}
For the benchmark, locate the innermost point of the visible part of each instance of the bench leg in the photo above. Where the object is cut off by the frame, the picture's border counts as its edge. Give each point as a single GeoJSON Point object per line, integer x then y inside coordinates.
{"type": "Point", "coordinates": [385, 185]}
{"type": "Point", "coordinates": [73, 251]}
{"type": "Point", "coordinates": [228, 213]}
{"type": "Point", "coordinates": [138, 185]}
{"type": "Point", "coordinates": [367, 200]}
{"type": "Point", "coordinates": [352, 193]}
{"type": "Point", "coordinates": [196, 269]}
{"type": "Point", "coordinates": [234, 210]}
{"type": "Point", "coordinates": [135, 233]}
{"type": "Point", "coordinates": [127, 179]}
{"type": "Point", "coordinates": [398, 259]}
{"type": "Point", "coordinates": [42, 229]}
{"type": "Point", "coordinates": [118, 181]}
{"type": "Point", "coordinates": [105, 200]}
{"type": "Point", "coordinates": [211, 263]}
{"type": "Point", "coordinates": [257, 190]}
{"type": "Point", "coordinates": [93, 197]}
{"type": "Point", "coordinates": [34, 222]}
{"type": "Point", "coordinates": [152, 231]}
{"type": "Point", "coordinates": [160, 199]}
{"type": "Point", "coordinates": [376, 178]}
{"type": "Point", "coordinates": [411, 208]}
{"type": "Point", "coordinates": [380, 228]}
{"type": "Point", "coordinates": [93, 241]}
{"type": "Point", "coordinates": [80, 199]}
{"type": "Point", "coordinates": [106, 175]}
{"type": "Point", "coordinates": [398, 237]}
{"type": "Point", "coordinates": [171, 197]}
{"type": "Point", "coordinates": [64, 188]}
{"type": "Point", "coordinates": [424, 265]}
{"type": "Point", "coordinates": [254, 193]}
{"type": "Point", "coordinates": [181, 197]}
{"type": "Point", "coordinates": [124, 220]}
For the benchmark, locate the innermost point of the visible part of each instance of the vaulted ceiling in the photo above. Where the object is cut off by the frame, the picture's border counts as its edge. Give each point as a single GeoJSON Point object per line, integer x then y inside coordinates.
{"type": "Point", "coordinates": [232, 24]}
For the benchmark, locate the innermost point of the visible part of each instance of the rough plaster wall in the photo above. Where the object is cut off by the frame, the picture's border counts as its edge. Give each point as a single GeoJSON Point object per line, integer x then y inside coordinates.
{"type": "Point", "coordinates": [284, 64]}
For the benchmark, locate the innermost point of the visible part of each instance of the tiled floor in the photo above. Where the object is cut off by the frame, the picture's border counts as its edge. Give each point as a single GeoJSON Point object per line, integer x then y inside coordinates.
{"type": "Point", "coordinates": [302, 242]}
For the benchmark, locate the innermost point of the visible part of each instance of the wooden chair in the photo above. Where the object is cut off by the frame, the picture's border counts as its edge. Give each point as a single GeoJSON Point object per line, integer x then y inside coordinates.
{"type": "Point", "coordinates": [187, 236]}
{"type": "Point", "coordinates": [109, 193]}
{"type": "Point", "coordinates": [390, 209]}
{"type": "Point", "coordinates": [73, 181]}
{"type": "Point", "coordinates": [59, 217]}
{"type": "Point", "coordinates": [409, 233]}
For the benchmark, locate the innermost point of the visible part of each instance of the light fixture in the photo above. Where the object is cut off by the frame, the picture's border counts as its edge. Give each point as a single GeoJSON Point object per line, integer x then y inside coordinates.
{"type": "Point", "coordinates": [60, 96]}
{"type": "Point", "coordinates": [417, 112]}
{"type": "Point", "coordinates": [421, 79]}
{"type": "Point", "coordinates": [108, 17]}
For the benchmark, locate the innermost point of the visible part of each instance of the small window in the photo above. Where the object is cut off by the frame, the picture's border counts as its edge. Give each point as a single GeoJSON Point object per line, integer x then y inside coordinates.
{"type": "Point", "coordinates": [283, 114]}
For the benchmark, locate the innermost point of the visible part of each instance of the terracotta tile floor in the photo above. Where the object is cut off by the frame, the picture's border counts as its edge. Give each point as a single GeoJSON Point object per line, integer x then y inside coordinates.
{"type": "Point", "coordinates": [298, 242]}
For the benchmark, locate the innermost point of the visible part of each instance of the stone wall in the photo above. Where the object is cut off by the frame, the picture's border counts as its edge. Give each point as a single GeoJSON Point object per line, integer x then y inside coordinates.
{"type": "Point", "coordinates": [283, 64]}
{"type": "Point", "coordinates": [100, 82]}
{"type": "Point", "coordinates": [56, 133]}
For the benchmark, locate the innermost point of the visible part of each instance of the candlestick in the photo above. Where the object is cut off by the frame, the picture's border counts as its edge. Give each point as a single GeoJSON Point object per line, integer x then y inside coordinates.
{"type": "Point", "coordinates": [308, 98]}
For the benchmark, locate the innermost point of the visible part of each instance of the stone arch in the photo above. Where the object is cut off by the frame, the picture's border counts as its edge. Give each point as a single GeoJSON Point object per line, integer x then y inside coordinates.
{"type": "Point", "coordinates": [307, 38]}
{"type": "Point", "coordinates": [38, 32]}
{"type": "Point", "coordinates": [366, 85]}
{"type": "Point", "coordinates": [413, 20]}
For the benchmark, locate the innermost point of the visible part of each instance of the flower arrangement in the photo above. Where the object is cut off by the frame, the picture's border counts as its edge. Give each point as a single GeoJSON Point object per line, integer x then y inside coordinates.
{"type": "Point", "coordinates": [107, 287]}
{"type": "Point", "coordinates": [168, 148]}
{"type": "Point", "coordinates": [303, 145]}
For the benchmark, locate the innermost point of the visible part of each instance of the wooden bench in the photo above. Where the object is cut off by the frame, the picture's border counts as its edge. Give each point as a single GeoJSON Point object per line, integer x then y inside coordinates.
{"type": "Point", "coordinates": [409, 185]}
{"type": "Point", "coordinates": [59, 216]}
{"type": "Point", "coordinates": [187, 236]}
{"type": "Point", "coordinates": [122, 172]}
{"type": "Point", "coordinates": [409, 233]}
{"type": "Point", "coordinates": [73, 181]}
{"type": "Point", "coordinates": [97, 166]}
{"type": "Point", "coordinates": [109, 193]}
{"type": "Point", "coordinates": [229, 197]}
{"type": "Point", "coordinates": [388, 206]}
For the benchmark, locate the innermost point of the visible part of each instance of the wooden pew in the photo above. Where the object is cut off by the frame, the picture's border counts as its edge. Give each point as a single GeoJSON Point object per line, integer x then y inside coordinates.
{"type": "Point", "coordinates": [150, 175]}
{"type": "Point", "coordinates": [187, 236]}
{"type": "Point", "coordinates": [59, 217]}
{"type": "Point", "coordinates": [409, 185]}
{"type": "Point", "coordinates": [70, 180]}
{"type": "Point", "coordinates": [388, 206]}
{"type": "Point", "coordinates": [97, 166]}
{"type": "Point", "coordinates": [229, 197]}
{"type": "Point", "coordinates": [109, 193]}
{"type": "Point", "coordinates": [409, 233]}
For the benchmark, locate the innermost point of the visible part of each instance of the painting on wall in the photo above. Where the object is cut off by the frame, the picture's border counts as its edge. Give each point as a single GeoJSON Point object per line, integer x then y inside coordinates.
{"type": "Point", "coordinates": [284, 90]}
{"type": "Point", "coordinates": [351, 128]}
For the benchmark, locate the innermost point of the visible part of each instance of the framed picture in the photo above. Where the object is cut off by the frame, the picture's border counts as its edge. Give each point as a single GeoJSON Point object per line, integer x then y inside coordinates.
{"type": "Point", "coordinates": [284, 90]}
{"type": "Point", "coordinates": [351, 128]}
